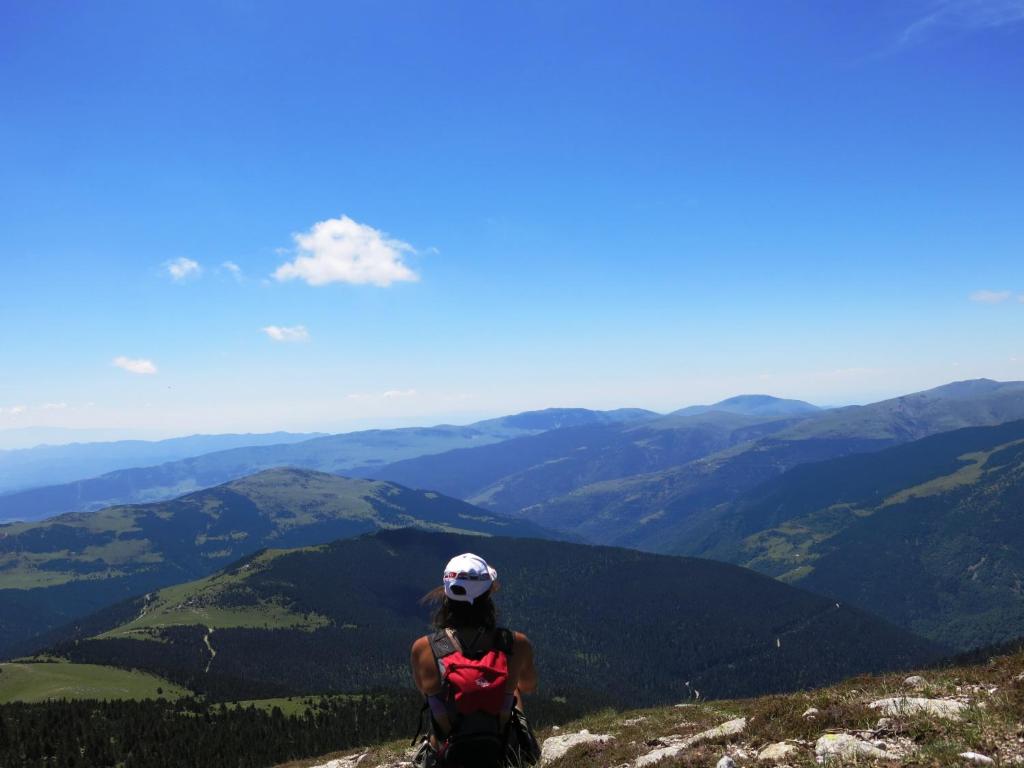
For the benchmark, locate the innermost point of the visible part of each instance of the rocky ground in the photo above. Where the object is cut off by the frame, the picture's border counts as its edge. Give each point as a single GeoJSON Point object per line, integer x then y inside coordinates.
{"type": "Point", "coordinates": [945, 717]}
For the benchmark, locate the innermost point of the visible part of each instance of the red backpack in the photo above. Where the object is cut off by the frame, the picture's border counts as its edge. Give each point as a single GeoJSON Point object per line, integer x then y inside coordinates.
{"type": "Point", "coordinates": [473, 685]}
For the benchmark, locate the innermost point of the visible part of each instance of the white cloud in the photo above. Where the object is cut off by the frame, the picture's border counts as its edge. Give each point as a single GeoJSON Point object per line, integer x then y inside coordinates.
{"type": "Point", "coordinates": [233, 268]}
{"type": "Point", "coordinates": [135, 365]}
{"type": "Point", "coordinates": [12, 410]}
{"type": "Point", "coordinates": [345, 251]}
{"type": "Point", "coordinates": [990, 297]}
{"type": "Point", "coordinates": [287, 332]}
{"type": "Point", "coordinates": [53, 406]}
{"type": "Point", "coordinates": [182, 269]}
{"type": "Point", "coordinates": [964, 15]}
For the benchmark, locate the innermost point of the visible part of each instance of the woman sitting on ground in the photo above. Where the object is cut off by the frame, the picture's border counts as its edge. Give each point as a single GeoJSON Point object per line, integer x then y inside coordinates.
{"type": "Point", "coordinates": [472, 672]}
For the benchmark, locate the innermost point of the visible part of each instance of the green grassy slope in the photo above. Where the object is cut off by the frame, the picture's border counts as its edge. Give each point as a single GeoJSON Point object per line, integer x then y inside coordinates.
{"type": "Point", "coordinates": [32, 682]}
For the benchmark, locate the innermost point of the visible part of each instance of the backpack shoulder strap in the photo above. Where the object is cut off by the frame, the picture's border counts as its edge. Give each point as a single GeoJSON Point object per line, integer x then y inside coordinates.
{"type": "Point", "coordinates": [504, 639]}
{"type": "Point", "coordinates": [442, 644]}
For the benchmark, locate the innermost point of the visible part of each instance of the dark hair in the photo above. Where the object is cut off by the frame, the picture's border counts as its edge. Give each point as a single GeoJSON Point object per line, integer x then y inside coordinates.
{"type": "Point", "coordinates": [456, 614]}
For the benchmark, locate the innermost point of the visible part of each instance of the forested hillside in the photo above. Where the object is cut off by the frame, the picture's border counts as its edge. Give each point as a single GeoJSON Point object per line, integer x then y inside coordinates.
{"type": "Point", "coordinates": [929, 535]}
{"type": "Point", "coordinates": [55, 571]}
{"type": "Point", "coordinates": [341, 617]}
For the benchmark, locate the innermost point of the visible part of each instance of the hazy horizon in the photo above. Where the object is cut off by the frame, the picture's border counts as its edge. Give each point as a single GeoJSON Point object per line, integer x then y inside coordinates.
{"type": "Point", "coordinates": [35, 435]}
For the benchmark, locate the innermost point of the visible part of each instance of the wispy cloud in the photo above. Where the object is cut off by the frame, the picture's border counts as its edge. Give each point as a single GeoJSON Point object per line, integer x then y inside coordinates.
{"type": "Point", "coordinates": [287, 332]}
{"type": "Point", "coordinates": [233, 268]}
{"type": "Point", "coordinates": [183, 268]}
{"type": "Point", "coordinates": [344, 251]}
{"type": "Point", "coordinates": [391, 394]}
{"type": "Point", "coordinates": [12, 410]}
{"type": "Point", "coordinates": [53, 406]}
{"type": "Point", "coordinates": [989, 297]}
{"type": "Point", "coordinates": [139, 365]}
{"type": "Point", "coordinates": [963, 16]}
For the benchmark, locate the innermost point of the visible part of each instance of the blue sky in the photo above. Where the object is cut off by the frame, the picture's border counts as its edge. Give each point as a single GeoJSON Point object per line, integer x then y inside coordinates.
{"type": "Point", "coordinates": [520, 205]}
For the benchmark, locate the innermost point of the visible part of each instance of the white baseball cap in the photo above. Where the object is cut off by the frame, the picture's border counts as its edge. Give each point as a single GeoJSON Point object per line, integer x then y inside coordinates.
{"type": "Point", "coordinates": [467, 577]}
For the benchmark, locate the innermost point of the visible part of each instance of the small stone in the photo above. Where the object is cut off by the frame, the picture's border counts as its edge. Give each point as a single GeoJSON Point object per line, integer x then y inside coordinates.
{"type": "Point", "coordinates": [977, 758]}
{"type": "Point", "coordinates": [556, 746]}
{"type": "Point", "coordinates": [883, 724]}
{"type": "Point", "coordinates": [811, 713]}
{"type": "Point", "coordinates": [634, 720]}
{"type": "Point", "coordinates": [777, 752]}
{"type": "Point", "coordinates": [915, 681]}
{"type": "Point", "coordinates": [725, 762]}
{"type": "Point", "coordinates": [843, 746]}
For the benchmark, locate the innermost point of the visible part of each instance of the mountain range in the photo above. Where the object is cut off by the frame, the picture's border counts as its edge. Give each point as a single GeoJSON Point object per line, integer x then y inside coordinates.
{"type": "Point", "coordinates": [905, 508]}
{"type": "Point", "coordinates": [660, 511]}
{"type": "Point", "coordinates": [333, 453]}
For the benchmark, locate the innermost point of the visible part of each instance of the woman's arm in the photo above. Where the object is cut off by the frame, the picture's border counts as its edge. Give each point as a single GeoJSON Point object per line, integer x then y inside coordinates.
{"type": "Point", "coordinates": [424, 671]}
{"type": "Point", "coordinates": [522, 658]}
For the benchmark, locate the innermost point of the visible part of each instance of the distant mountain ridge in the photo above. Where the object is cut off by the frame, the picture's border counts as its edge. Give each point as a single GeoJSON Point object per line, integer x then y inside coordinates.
{"type": "Point", "coordinates": [516, 474]}
{"type": "Point", "coordinates": [49, 464]}
{"type": "Point", "coordinates": [333, 453]}
{"type": "Point", "coordinates": [54, 571]}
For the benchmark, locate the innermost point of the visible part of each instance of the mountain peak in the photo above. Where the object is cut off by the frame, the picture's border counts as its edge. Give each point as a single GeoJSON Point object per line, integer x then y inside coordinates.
{"type": "Point", "coordinates": [968, 388]}
{"type": "Point", "coordinates": [753, 405]}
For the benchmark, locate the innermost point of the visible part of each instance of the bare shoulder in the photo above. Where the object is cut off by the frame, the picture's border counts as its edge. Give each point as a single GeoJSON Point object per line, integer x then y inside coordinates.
{"type": "Point", "coordinates": [421, 648]}
{"type": "Point", "coordinates": [520, 640]}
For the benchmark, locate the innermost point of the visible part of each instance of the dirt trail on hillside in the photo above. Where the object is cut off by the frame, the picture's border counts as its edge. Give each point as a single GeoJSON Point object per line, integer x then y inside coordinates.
{"type": "Point", "coordinates": [210, 648]}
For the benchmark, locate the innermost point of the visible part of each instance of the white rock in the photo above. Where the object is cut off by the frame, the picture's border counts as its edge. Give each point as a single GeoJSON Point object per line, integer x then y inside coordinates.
{"type": "Point", "coordinates": [977, 758]}
{"type": "Point", "coordinates": [883, 724]}
{"type": "Point", "coordinates": [344, 762]}
{"type": "Point", "coordinates": [949, 709]}
{"type": "Point", "coordinates": [556, 746]}
{"type": "Point", "coordinates": [677, 747]}
{"type": "Point", "coordinates": [843, 746]}
{"type": "Point", "coordinates": [811, 713]}
{"type": "Point", "coordinates": [725, 762]}
{"type": "Point", "coordinates": [777, 752]}
{"type": "Point", "coordinates": [915, 681]}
